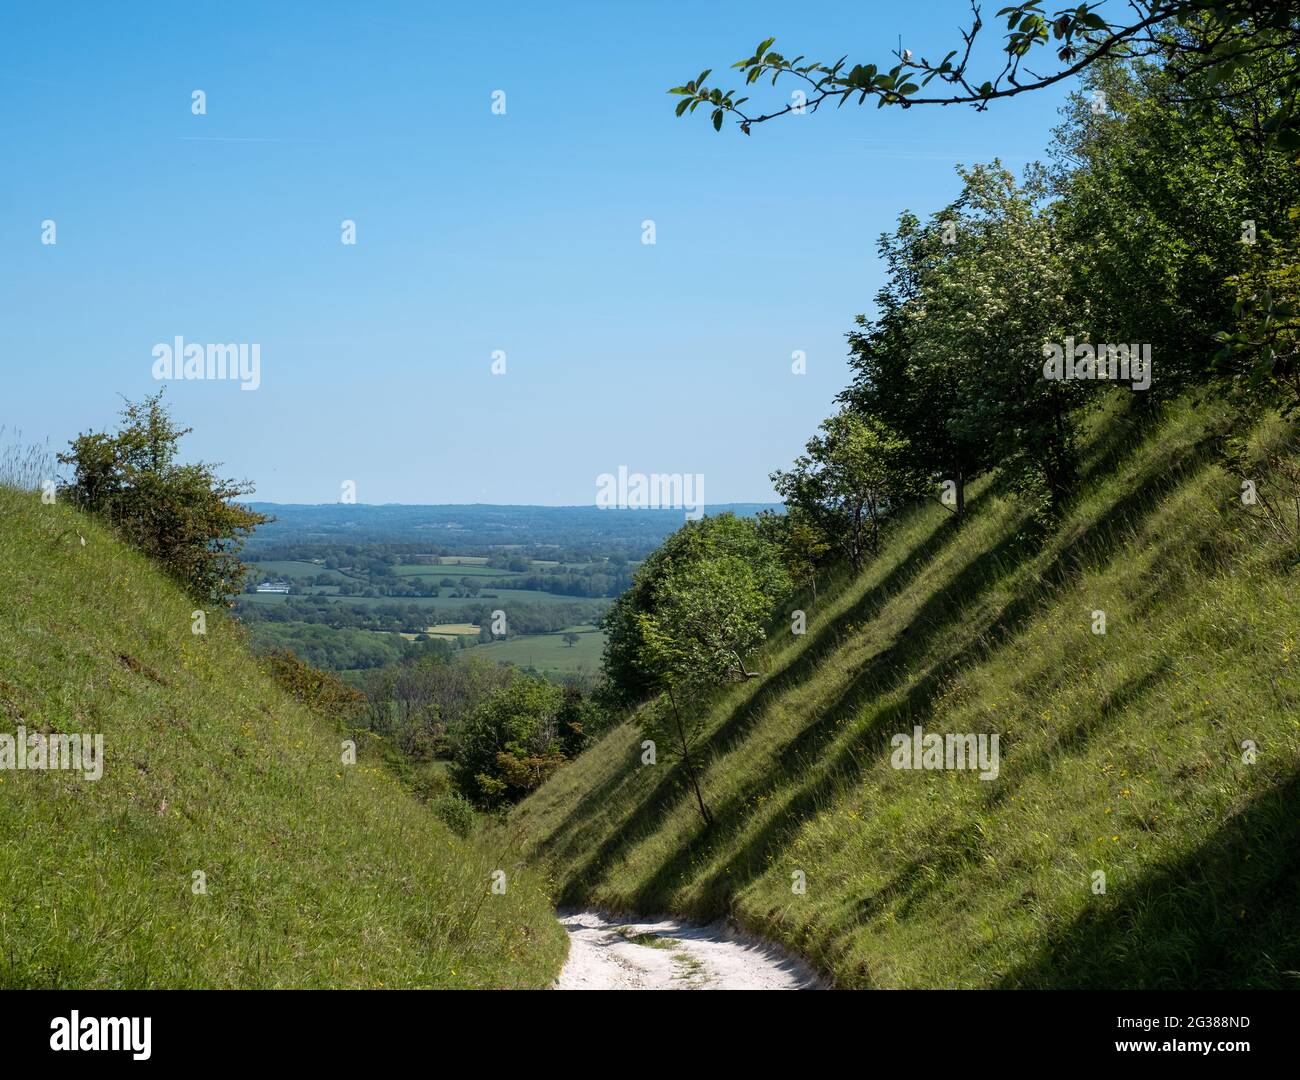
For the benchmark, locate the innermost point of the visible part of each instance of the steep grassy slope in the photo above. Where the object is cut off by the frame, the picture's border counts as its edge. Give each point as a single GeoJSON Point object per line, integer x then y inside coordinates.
{"type": "Point", "coordinates": [317, 873]}
{"type": "Point", "coordinates": [1120, 753]}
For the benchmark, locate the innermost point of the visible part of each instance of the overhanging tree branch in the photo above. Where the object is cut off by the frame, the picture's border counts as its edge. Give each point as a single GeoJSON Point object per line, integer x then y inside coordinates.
{"type": "Point", "coordinates": [1199, 35]}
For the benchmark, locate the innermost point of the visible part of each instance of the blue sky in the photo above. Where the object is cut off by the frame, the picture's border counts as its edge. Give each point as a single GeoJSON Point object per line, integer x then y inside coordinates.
{"type": "Point", "coordinates": [475, 233]}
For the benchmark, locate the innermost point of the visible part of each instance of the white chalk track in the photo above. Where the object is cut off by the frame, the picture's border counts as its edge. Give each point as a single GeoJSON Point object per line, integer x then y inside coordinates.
{"type": "Point", "coordinates": [607, 953]}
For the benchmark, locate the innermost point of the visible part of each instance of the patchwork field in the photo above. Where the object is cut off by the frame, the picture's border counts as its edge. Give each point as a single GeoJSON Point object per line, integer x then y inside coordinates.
{"type": "Point", "coordinates": [295, 570]}
{"type": "Point", "coordinates": [454, 571]}
{"type": "Point", "coordinates": [547, 652]}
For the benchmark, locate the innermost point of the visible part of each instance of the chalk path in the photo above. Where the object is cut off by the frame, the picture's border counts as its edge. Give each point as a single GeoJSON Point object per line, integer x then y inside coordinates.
{"type": "Point", "coordinates": [628, 954]}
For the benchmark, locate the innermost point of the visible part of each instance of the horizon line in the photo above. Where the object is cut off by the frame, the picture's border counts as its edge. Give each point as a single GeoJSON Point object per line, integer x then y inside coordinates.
{"type": "Point", "coordinates": [510, 506]}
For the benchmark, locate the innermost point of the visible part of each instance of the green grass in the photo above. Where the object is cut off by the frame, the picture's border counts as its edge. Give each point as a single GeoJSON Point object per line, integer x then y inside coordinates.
{"type": "Point", "coordinates": [650, 941]}
{"type": "Point", "coordinates": [690, 970]}
{"type": "Point", "coordinates": [1120, 753]}
{"type": "Point", "coordinates": [318, 874]}
{"type": "Point", "coordinates": [546, 652]}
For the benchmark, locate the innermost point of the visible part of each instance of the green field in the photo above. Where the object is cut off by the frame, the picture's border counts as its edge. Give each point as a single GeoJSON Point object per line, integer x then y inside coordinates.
{"type": "Point", "coordinates": [293, 570]}
{"type": "Point", "coordinates": [546, 652]}
{"type": "Point", "coordinates": [452, 630]}
{"type": "Point", "coordinates": [473, 570]}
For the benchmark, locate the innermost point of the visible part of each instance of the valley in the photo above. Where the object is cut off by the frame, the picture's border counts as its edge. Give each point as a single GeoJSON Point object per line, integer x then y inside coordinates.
{"type": "Point", "coordinates": [350, 588]}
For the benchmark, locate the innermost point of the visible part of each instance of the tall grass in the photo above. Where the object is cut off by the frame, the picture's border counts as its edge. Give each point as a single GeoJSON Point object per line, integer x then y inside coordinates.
{"type": "Point", "coordinates": [316, 873]}
{"type": "Point", "coordinates": [25, 466]}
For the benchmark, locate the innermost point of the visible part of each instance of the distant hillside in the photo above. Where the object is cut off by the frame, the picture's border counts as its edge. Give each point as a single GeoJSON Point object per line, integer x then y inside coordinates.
{"type": "Point", "coordinates": [473, 528]}
{"type": "Point", "coordinates": [1128, 753]}
{"type": "Point", "coordinates": [317, 873]}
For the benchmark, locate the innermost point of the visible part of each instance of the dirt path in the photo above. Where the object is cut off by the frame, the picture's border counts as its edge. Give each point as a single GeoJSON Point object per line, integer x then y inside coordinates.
{"type": "Point", "coordinates": [614, 954]}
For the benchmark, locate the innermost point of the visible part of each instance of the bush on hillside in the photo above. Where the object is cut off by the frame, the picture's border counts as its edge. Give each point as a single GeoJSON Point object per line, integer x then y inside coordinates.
{"type": "Point", "coordinates": [183, 516]}
{"type": "Point", "coordinates": [312, 687]}
{"type": "Point", "coordinates": [456, 812]}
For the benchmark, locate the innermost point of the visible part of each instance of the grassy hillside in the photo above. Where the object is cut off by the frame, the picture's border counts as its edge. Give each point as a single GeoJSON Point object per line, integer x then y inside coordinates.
{"type": "Point", "coordinates": [1120, 753]}
{"type": "Point", "coordinates": [318, 874]}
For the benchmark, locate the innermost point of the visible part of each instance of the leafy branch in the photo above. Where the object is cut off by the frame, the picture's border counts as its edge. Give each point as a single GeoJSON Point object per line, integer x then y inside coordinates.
{"type": "Point", "coordinates": [1202, 35]}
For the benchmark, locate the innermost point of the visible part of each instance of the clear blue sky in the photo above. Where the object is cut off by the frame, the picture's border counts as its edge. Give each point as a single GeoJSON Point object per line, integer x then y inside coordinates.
{"type": "Point", "coordinates": [475, 233]}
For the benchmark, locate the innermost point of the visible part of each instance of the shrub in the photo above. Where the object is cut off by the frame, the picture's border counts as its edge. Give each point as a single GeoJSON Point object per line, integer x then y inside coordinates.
{"type": "Point", "coordinates": [456, 812]}
{"type": "Point", "coordinates": [182, 516]}
{"type": "Point", "coordinates": [312, 687]}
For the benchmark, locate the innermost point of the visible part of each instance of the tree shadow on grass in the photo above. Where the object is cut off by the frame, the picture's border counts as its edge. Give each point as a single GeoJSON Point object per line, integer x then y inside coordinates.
{"type": "Point", "coordinates": [584, 815]}
{"type": "Point", "coordinates": [814, 787]}
{"type": "Point", "coordinates": [919, 878]}
{"type": "Point", "coordinates": [733, 730]}
{"type": "Point", "coordinates": [1126, 428]}
{"type": "Point", "coordinates": [801, 759]}
{"type": "Point", "coordinates": [830, 638]}
{"type": "Point", "coordinates": [883, 672]}
{"type": "Point", "coordinates": [1074, 739]}
{"type": "Point", "coordinates": [1225, 916]}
